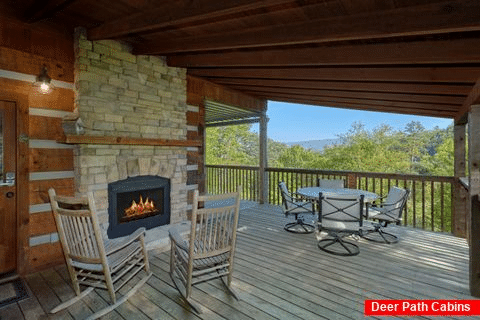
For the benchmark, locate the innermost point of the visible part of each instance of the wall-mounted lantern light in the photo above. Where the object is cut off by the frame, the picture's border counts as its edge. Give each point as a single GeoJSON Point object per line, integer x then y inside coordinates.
{"type": "Point", "coordinates": [43, 81]}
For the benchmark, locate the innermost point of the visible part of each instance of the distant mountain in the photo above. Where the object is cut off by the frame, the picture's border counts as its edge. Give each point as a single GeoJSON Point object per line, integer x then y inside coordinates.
{"type": "Point", "coordinates": [318, 145]}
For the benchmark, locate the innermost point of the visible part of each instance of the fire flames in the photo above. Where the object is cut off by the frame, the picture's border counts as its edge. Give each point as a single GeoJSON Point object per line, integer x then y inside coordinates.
{"type": "Point", "coordinates": [140, 208]}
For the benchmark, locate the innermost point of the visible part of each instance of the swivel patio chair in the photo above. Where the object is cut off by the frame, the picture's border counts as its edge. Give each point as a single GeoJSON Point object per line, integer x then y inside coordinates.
{"type": "Point", "coordinates": [341, 216]}
{"type": "Point", "coordinates": [93, 261]}
{"type": "Point", "coordinates": [389, 211]}
{"type": "Point", "coordinates": [297, 206]}
{"type": "Point", "coordinates": [331, 183]}
{"type": "Point", "coordinates": [209, 250]}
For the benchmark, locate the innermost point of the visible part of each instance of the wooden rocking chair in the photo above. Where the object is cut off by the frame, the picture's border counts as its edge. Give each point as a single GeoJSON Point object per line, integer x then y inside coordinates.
{"type": "Point", "coordinates": [91, 260]}
{"type": "Point", "coordinates": [208, 253]}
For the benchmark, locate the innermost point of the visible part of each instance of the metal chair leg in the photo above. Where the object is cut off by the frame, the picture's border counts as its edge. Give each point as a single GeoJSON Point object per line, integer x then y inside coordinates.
{"type": "Point", "coordinates": [380, 236]}
{"type": "Point", "coordinates": [299, 227]}
{"type": "Point", "coordinates": [338, 247]}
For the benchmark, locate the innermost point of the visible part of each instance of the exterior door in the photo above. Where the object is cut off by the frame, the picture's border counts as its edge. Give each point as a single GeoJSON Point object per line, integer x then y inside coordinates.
{"type": "Point", "coordinates": [8, 216]}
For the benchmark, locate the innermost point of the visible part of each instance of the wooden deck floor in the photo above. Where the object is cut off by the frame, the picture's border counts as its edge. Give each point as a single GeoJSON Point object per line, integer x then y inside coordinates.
{"type": "Point", "coordinates": [279, 275]}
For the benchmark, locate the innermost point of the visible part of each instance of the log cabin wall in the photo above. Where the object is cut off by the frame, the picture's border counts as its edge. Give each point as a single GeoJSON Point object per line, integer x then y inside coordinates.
{"type": "Point", "coordinates": [23, 51]}
{"type": "Point", "coordinates": [199, 90]}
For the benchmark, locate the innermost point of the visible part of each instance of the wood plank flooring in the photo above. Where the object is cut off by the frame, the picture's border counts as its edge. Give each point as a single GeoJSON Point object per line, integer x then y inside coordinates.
{"type": "Point", "coordinates": [278, 275]}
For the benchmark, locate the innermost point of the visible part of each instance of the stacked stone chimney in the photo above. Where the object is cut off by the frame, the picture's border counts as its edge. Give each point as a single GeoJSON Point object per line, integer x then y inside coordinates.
{"type": "Point", "coordinates": [122, 95]}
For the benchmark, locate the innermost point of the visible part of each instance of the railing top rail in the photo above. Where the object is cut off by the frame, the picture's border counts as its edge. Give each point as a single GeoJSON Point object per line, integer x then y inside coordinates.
{"type": "Point", "coordinates": [221, 166]}
{"type": "Point", "coordinates": [395, 176]}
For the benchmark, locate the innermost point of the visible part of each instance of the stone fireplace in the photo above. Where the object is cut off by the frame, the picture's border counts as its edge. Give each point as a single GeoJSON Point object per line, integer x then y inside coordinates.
{"type": "Point", "coordinates": [120, 96]}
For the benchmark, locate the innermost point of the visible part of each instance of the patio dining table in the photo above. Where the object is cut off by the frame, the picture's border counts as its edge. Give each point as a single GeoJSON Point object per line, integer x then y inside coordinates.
{"type": "Point", "coordinates": [312, 193]}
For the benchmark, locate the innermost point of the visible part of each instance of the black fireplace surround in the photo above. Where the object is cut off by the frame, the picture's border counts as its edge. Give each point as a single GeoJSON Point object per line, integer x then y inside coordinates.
{"type": "Point", "coordinates": [120, 196]}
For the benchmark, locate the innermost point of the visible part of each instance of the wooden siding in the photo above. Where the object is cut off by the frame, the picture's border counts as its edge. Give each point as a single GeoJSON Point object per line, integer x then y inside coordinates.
{"type": "Point", "coordinates": [198, 90]}
{"type": "Point", "coordinates": [23, 50]}
{"type": "Point", "coordinates": [279, 275]}
{"type": "Point", "coordinates": [39, 189]}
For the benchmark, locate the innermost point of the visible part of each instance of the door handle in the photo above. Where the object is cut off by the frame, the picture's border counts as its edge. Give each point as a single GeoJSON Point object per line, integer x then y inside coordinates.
{"type": "Point", "coordinates": [9, 180]}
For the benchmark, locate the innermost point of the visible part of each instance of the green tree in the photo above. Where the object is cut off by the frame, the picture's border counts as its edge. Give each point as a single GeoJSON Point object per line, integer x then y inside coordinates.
{"type": "Point", "coordinates": [233, 145]}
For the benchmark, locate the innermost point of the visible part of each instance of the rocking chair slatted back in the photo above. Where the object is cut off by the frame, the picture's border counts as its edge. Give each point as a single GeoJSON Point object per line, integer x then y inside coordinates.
{"type": "Point", "coordinates": [210, 249]}
{"type": "Point", "coordinates": [79, 230]}
{"type": "Point", "coordinates": [214, 230]}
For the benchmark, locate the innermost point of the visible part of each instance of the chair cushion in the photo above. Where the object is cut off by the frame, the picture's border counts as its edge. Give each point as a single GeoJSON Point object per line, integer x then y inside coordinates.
{"type": "Point", "coordinates": [331, 183]}
{"type": "Point", "coordinates": [343, 226]}
{"type": "Point", "coordinates": [375, 211]}
{"type": "Point", "coordinates": [383, 217]}
{"type": "Point", "coordinates": [340, 225]}
{"type": "Point", "coordinates": [395, 194]}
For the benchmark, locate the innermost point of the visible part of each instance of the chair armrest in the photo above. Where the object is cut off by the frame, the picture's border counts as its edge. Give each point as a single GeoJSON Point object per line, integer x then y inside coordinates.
{"type": "Point", "coordinates": [176, 238]}
{"type": "Point", "coordinates": [296, 197]}
{"type": "Point", "coordinates": [112, 246]}
{"type": "Point", "coordinates": [378, 202]}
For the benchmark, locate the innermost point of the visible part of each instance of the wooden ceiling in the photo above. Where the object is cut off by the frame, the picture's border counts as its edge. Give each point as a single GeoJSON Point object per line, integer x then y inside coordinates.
{"type": "Point", "coordinates": [417, 57]}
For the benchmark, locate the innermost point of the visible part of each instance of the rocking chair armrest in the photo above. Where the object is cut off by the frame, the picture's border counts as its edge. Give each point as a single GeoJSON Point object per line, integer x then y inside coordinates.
{"type": "Point", "coordinates": [177, 239]}
{"type": "Point", "coordinates": [112, 246]}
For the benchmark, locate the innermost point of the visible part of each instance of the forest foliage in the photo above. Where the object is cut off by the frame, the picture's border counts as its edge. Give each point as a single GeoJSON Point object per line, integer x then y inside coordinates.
{"type": "Point", "coordinates": [413, 150]}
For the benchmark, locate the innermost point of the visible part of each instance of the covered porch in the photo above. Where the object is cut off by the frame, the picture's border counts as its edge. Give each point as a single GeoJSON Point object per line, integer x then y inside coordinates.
{"type": "Point", "coordinates": [278, 275]}
{"type": "Point", "coordinates": [145, 79]}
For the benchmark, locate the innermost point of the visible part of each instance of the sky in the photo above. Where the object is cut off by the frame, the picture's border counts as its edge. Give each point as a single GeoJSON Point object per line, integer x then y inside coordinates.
{"type": "Point", "coordinates": [294, 122]}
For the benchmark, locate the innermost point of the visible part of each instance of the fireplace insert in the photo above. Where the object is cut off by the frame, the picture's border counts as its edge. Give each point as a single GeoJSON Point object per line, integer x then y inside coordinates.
{"type": "Point", "coordinates": [142, 201]}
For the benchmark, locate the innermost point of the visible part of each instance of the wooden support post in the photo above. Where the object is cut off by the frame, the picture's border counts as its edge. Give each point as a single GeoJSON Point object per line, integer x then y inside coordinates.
{"type": "Point", "coordinates": [352, 181]}
{"type": "Point", "coordinates": [459, 207]}
{"type": "Point", "coordinates": [474, 191]}
{"type": "Point", "coordinates": [263, 177]}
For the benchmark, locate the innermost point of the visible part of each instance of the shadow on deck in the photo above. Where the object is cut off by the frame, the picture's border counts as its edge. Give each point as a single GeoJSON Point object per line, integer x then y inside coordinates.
{"type": "Point", "coordinates": [279, 275]}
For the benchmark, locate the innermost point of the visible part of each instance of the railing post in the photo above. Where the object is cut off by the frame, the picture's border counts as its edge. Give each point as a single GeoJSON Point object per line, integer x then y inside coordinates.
{"type": "Point", "coordinates": [459, 207]}
{"type": "Point", "coordinates": [352, 181]}
{"type": "Point", "coordinates": [474, 191]}
{"type": "Point", "coordinates": [263, 188]}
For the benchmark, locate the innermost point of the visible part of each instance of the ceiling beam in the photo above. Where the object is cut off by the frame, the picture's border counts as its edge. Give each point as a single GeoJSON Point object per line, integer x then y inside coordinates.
{"type": "Point", "coordinates": [175, 12]}
{"type": "Point", "coordinates": [45, 9]}
{"type": "Point", "coordinates": [454, 101]}
{"type": "Point", "coordinates": [466, 74]}
{"type": "Point", "coordinates": [440, 114]}
{"type": "Point", "coordinates": [434, 18]}
{"type": "Point", "coordinates": [472, 98]}
{"type": "Point", "coordinates": [440, 89]}
{"type": "Point", "coordinates": [400, 105]}
{"type": "Point", "coordinates": [403, 53]}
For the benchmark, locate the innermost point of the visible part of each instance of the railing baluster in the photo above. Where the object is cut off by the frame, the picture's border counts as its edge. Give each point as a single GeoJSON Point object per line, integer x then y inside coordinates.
{"type": "Point", "coordinates": [405, 221]}
{"type": "Point", "coordinates": [414, 194]}
{"type": "Point", "coordinates": [423, 205]}
{"type": "Point", "coordinates": [442, 207]}
{"type": "Point", "coordinates": [432, 205]}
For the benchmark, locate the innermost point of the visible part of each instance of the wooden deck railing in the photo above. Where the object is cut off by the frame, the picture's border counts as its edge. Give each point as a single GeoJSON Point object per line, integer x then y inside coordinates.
{"type": "Point", "coordinates": [429, 207]}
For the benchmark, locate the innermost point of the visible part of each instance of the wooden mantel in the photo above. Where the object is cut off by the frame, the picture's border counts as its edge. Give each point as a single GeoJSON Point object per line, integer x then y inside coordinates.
{"type": "Point", "coordinates": [115, 140]}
